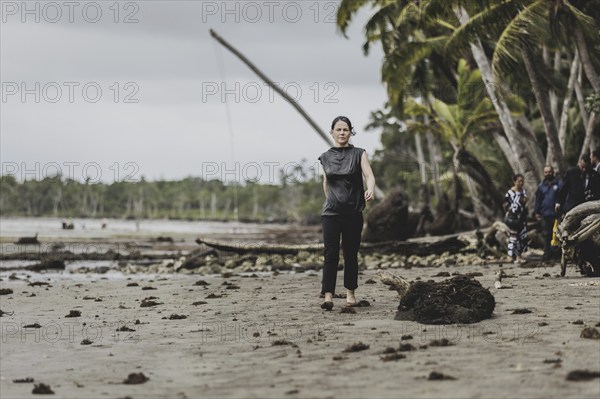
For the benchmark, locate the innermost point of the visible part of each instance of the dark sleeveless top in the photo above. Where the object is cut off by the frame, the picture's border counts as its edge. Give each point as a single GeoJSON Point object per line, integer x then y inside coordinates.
{"type": "Point", "coordinates": [345, 191]}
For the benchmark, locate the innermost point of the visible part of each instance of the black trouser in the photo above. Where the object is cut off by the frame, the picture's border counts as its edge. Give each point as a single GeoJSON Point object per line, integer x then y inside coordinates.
{"type": "Point", "coordinates": [547, 226]}
{"type": "Point", "coordinates": [350, 228]}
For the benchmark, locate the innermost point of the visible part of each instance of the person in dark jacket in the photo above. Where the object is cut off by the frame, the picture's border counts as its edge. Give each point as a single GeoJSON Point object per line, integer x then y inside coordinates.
{"type": "Point", "coordinates": [344, 167]}
{"type": "Point", "coordinates": [595, 158]}
{"type": "Point", "coordinates": [580, 184]}
{"type": "Point", "coordinates": [545, 200]}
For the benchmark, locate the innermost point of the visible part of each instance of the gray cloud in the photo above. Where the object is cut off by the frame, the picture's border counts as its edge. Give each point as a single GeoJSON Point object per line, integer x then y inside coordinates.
{"type": "Point", "coordinates": [169, 60]}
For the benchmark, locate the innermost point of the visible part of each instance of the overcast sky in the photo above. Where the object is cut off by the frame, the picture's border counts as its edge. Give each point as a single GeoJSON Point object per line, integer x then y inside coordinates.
{"type": "Point", "coordinates": [137, 89]}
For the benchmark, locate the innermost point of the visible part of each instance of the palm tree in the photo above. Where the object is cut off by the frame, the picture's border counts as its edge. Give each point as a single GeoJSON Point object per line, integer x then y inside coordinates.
{"type": "Point", "coordinates": [525, 28]}
{"type": "Point", "coordinates": [472, 116]}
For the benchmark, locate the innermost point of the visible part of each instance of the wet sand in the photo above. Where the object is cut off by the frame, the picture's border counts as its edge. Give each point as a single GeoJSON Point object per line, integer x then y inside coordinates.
{"type": "Point", "coordinates": [269, 338]}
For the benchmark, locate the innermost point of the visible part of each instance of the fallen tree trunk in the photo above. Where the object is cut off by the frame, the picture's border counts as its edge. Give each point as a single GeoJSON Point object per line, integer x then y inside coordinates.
{"type": "Point", "coordinates": [579, 234]}
{"type": "Point", "coordinates": [259, 248]}
{"type": "Point", "coordinates": [418, 246]}
{"type": "Point", "coordinates": [573, 219]}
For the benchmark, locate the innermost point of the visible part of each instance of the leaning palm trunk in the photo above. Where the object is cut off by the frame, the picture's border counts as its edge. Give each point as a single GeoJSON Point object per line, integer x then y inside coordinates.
{"type": "Point", "coordinates": [555, 156]}
{"type": "Point", "coordinates": [517, 144]}
{"type": "Point", "coordinates": [536, 157]}
{"type": "Point", "coordinates": [586, 60]}
{"type": "Point", "coordinates": [564, 117]}
{"type": "Point", "coordinates": [589, 135]}
{"type": "Point", "coordinates": [487, 203]}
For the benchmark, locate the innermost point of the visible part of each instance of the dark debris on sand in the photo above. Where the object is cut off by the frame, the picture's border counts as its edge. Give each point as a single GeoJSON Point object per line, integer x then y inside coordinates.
{"type": "Point", "coordinates": [582, 375]}
{"type": "Point", "coordinates": [452, 301]}
{"type": "Point", "coordinates": [590, 333]}
{"type": "Point", "coordinates": [199, 303]}
{"type": "Point", "coordinates": [136, 378]}
{"type": "Point", "coordinates": [176, 316]}
{"type": "Point", "coordinates": [441, 342]}
{"type": "Point", "coordinates": [23, 380]}
{"type": "Point", "coordinates": [38, 283]}
{"type": "Point", "coordinates": [521, 311]}
{"type": "Point", "coordinates": [437, 376]}
{"type": "Point", "coordinates": [148, 302]}
{"type": "Point", "coordinates": [356, 347]}
{"type": "Point", "coordinates": [347, 309]}
{"type": "Point", "coordinates": [5, 291]}
{"type": "Point", "coordinates": [125, 329]}
{"type": "Point", "coordinates": [393, 357]}
{"type": "Point", "coordinates": [74, 313]}
{"type": "Point", "coordinates": [201, 282]}
{"type": "Point", "coordinates": [281, 342]}
{"type": "Point", "coordinates": [406, 348]}
{"type": "Point", "coordinates": [42, 389]}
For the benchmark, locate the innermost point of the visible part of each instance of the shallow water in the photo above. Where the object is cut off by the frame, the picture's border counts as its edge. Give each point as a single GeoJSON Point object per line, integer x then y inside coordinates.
{"type": "Point", "coordinates": [48, 227]}
{"type": "Point", "coordinates": [120, 236]}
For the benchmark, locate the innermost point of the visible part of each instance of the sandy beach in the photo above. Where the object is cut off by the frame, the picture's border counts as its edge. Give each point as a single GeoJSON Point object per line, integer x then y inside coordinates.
{"type": "Point", "coordinates": [266, 336]}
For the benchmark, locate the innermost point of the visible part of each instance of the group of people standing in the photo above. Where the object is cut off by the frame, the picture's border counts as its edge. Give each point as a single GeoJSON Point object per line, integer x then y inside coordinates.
{"type": "Point", "coordinates": [553, 199]}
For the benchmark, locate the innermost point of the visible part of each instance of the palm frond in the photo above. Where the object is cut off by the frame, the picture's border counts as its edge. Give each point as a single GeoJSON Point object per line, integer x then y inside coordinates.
{"type": "Point", "coordinates": [515, 35]}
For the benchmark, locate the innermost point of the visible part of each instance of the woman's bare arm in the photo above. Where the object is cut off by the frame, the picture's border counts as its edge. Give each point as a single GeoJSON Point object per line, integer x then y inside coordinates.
{"type": "Point", "coordinates": [369, 177]}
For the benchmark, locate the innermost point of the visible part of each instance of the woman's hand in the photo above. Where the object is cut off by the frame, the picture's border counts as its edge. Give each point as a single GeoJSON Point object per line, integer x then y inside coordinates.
{"type": "Point", "coordinates": [369, 195]}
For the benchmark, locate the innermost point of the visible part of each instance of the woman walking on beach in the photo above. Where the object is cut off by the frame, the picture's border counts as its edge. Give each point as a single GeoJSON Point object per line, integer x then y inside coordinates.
{"type": "Point", "coordinates": [345, 197]}
{"type": "Point", "coordinates": [515, 205]}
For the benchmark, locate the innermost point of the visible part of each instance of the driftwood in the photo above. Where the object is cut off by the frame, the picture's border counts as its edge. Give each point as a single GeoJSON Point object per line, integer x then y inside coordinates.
{"type": "Point", "coordinates": [29, 240]}
{"type": "Point", "coordinates": [259, 248]}
{"type": "Point", "coordinates": [498, 280]}
{"type": "Point", "coordinates": [573, 219]}
{"type": "Point", "coordinates": [397, 283]}
{"type": "Point", "coordinates": [579, 234]}
{"type": "Point", "coordinates": [418, 246]}
{"type": "Point", "coordinates": [422, 246]}
{"type": "Point", "coordinates": [45, 265]}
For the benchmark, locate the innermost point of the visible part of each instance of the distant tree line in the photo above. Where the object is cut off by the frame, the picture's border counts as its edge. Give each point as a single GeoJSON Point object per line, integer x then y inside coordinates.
{"type": "Point", "coordinates": [297, 199]}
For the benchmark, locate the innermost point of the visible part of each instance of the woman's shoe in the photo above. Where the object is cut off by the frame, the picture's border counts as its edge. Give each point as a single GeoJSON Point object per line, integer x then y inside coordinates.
{"type": "Point", "coordinates": [327, 305]}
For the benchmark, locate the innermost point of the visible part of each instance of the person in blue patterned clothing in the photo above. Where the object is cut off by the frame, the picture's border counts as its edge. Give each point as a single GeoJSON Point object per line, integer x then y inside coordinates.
{"type": "Point", "coordinates": [515, 205]}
